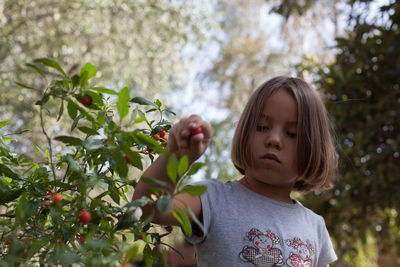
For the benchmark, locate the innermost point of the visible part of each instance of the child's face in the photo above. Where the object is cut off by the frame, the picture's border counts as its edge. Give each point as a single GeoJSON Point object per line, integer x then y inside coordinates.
{"type": "Point", "coordinates": [273, 143]}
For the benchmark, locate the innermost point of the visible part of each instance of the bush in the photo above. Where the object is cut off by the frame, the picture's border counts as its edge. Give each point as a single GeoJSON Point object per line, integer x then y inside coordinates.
{"type": "Point", "coordinates": [69, 210]}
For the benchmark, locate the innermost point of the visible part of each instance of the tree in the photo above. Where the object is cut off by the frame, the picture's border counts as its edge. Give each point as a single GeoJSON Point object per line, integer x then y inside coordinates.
{"type": "Point", "coordinates": [362, 94]}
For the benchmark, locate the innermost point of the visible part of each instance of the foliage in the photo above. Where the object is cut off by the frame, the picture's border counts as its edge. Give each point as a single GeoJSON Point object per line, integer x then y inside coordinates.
{"type": "Point", "coordinates": [134, 43]}
{"type": "Point", "coordinates": [92, 174]}
{"type": "Point", "coordinates": [362, 94]}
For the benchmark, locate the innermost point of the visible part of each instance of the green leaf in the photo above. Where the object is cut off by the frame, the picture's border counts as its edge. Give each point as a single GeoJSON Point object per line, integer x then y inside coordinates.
{"type": "Point", "coordinates": [88, 131]}
{"type": "Point", "coordinates": [22, 131]}
{"type": "Point", "coordinates": [121, 165]}
{"type": "Point", "coordinates": [72, 109]}
{"type": "Point", "coordinates": [149, 256]}
{"type": "Point", "coordinates": [20, 210]}
{"type": "Point", "coordinates": [183, 165]}
{"type": "Point", "coordinates": [3, 123]}
{"type": "Point", "coordinates": [35, 247]}
{"type": "Point", "coordinates": [52, 64]}
{"type": "Point", "coordinates": [60, 113]}
{"type": "Point", "coordinates": [195, 167]}
{"type": "Point", "coordinates": [69, 140]}
{"type": "Point", "coordinates": [142, 101]}
{"type": "Point", "coordinates": [129, 217]}
{"type": "Point", "coordinates": [72, 163]}
{"type": "Point", "coordinates": [139, 120]}
{"type": "Point", "coordinates": [7, 195]}
{"type": "Point", "coordinates": [75, 122]}
{"type": "Point", "coordinates": [172, 167]}
{"type": "Point", "coordinates": [6, 171]}
{"type": "Point", "coordinates": [132, 252]}
{"type": "Point", "coordinates": [143, 201]}
{"type": "Point", "coordinates": [194, 190]}
{"type": "Point", "coordinates": [164, 204]}
{"type": "Point", "coordinates": [122, 104]}
{"type": "Point", "coordinates": [105, 90]}
{"type": "Point", "coordinates": [135, 158]}
{"type": "Point", "coordinates": [183, 220]}
{"type": "Point", "coordinates": [75, 80]}
{"type": "Point", "coordinates": [37, 69]}
{"type": "Point", "coordinates": [25, 86]}
{"type": "Point", "coordinates": [90, 69]}
{"type": "Point", "coordinates": [154, 181]}
{"type": "Point", "coordinates": [114, 193]}
{"type": "Point", "coordinates": [8, 139]}
{"type": "Point", "coordinates": [141, 138]}
{"type": "Point", "coordinates": [44, 99]}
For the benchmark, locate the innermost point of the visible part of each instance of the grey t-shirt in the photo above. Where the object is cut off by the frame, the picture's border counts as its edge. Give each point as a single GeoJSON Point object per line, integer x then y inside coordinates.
{"type": "Point", "coordinates": [243, 228]}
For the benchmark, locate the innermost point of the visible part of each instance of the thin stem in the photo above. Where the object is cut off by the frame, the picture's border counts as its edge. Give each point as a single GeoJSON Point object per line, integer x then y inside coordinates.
{"type": "Point", "coordinates": [49, 142]}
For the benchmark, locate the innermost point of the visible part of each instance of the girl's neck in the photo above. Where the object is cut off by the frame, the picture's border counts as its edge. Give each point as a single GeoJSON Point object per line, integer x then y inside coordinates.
{"type": "Point", "coordinates": [279, 193]}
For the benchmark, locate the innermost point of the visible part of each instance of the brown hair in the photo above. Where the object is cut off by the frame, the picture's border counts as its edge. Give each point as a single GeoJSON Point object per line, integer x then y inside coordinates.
{"type": "Point", "coordinates": [318, 160]}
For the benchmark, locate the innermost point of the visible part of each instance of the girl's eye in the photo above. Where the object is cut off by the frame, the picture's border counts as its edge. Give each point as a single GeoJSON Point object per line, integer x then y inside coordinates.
{"type": "Point", "coordinates": [260, 128]}
{"type": "Point", "coordinates": [291, 134]}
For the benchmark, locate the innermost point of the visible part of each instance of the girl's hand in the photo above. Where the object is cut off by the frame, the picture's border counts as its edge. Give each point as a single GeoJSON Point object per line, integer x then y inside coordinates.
{"type": "Point", "coordinates": [185, 137]}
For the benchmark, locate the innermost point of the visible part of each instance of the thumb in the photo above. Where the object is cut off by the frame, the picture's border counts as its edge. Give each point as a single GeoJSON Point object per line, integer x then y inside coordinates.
{"type": "Point", "coordinates": [198, 145]}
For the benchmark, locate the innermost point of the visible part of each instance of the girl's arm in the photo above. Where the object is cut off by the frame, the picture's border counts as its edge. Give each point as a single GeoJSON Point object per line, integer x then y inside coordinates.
{"type": "Point", "coordinates": [181, 141]}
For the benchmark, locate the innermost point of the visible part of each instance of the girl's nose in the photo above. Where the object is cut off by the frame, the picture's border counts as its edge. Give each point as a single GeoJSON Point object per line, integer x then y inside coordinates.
{"type": "Point", "coordinates": [274, 139]}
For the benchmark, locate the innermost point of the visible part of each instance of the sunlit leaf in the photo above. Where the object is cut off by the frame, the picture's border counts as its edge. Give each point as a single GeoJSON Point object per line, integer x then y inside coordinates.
{"type": "Point", "coordinates": [52, 64]}
{"type": "Point", "coordinates": [172, 167]}
{"type": "Point", "coordinates": [194, 190]}
{"type": "Point", "coordinates": [122, 104]}
{"type": "Point", "coordinates": [183, 165]}
{"type": "Point", "coordinates": [142, 101]}
{"type": "Point", "coordinates": [183, 220]}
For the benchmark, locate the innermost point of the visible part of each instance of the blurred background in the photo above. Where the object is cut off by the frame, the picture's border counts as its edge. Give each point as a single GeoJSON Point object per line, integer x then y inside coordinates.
{"type": "Point", "coordinates": [206, 57]}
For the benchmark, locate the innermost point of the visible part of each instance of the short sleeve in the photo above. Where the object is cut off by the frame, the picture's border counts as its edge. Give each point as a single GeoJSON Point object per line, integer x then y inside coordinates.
{"type": "Point", "coordinates": [206, 212]}
{"type": "Point", "coordinates": [326, 254]}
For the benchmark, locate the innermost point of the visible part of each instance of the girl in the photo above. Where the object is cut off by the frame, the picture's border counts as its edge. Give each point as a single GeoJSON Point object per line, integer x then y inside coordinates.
{"type": "Point", "coordinates": [282, 144]}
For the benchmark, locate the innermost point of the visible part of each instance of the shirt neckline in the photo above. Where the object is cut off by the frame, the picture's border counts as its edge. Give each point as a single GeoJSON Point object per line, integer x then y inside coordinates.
{"type": "Point", "coordinates": [295, 205]}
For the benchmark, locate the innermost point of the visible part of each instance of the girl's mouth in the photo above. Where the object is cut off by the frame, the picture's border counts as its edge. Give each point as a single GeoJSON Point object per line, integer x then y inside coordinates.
{"type": "Point", "coordinates": [271, 157]}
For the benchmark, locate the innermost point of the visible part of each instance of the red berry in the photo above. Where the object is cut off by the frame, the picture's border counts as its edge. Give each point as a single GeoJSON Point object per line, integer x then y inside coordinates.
{"type": "Point", "coordinates": [46, 202]}
{"type": "Point", "coordinates": [162, 133]}
{"type": "Point", "coordinates": [7, 241]}
{"type": "Point", "coordinates": [169, 228]}
{"type": "Point", "coordinates": [86, 100]}
{"type": "Point", "coordinates": [81, 239]}
{"type": "Point", "coordinates": [126, 264]}
{"type": "Point", "coordinates": [127, 158]}
{"type": "Point", "coordinates": [84, 216]}
{"type": "Point", "coordinates": [140, 236]}
{"type": "Point", "coordinates": [119, 216]}
{"type": "Point", "coordinates": [107, 142]}
{"type": "Point", "coordinates": [57, 198]}
{"type": "Point", "coordinates": [197, 131]}
{"type": "Point", "coordinates": [62, 244]}
{"type": "Point", "coordinates": [157, 136]}
{"type": "Point", "coordinates": [149, 149]}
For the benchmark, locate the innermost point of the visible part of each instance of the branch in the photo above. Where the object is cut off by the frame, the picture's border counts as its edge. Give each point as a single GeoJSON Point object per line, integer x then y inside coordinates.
{"type": "Point", "coordinates": [49, 142]}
